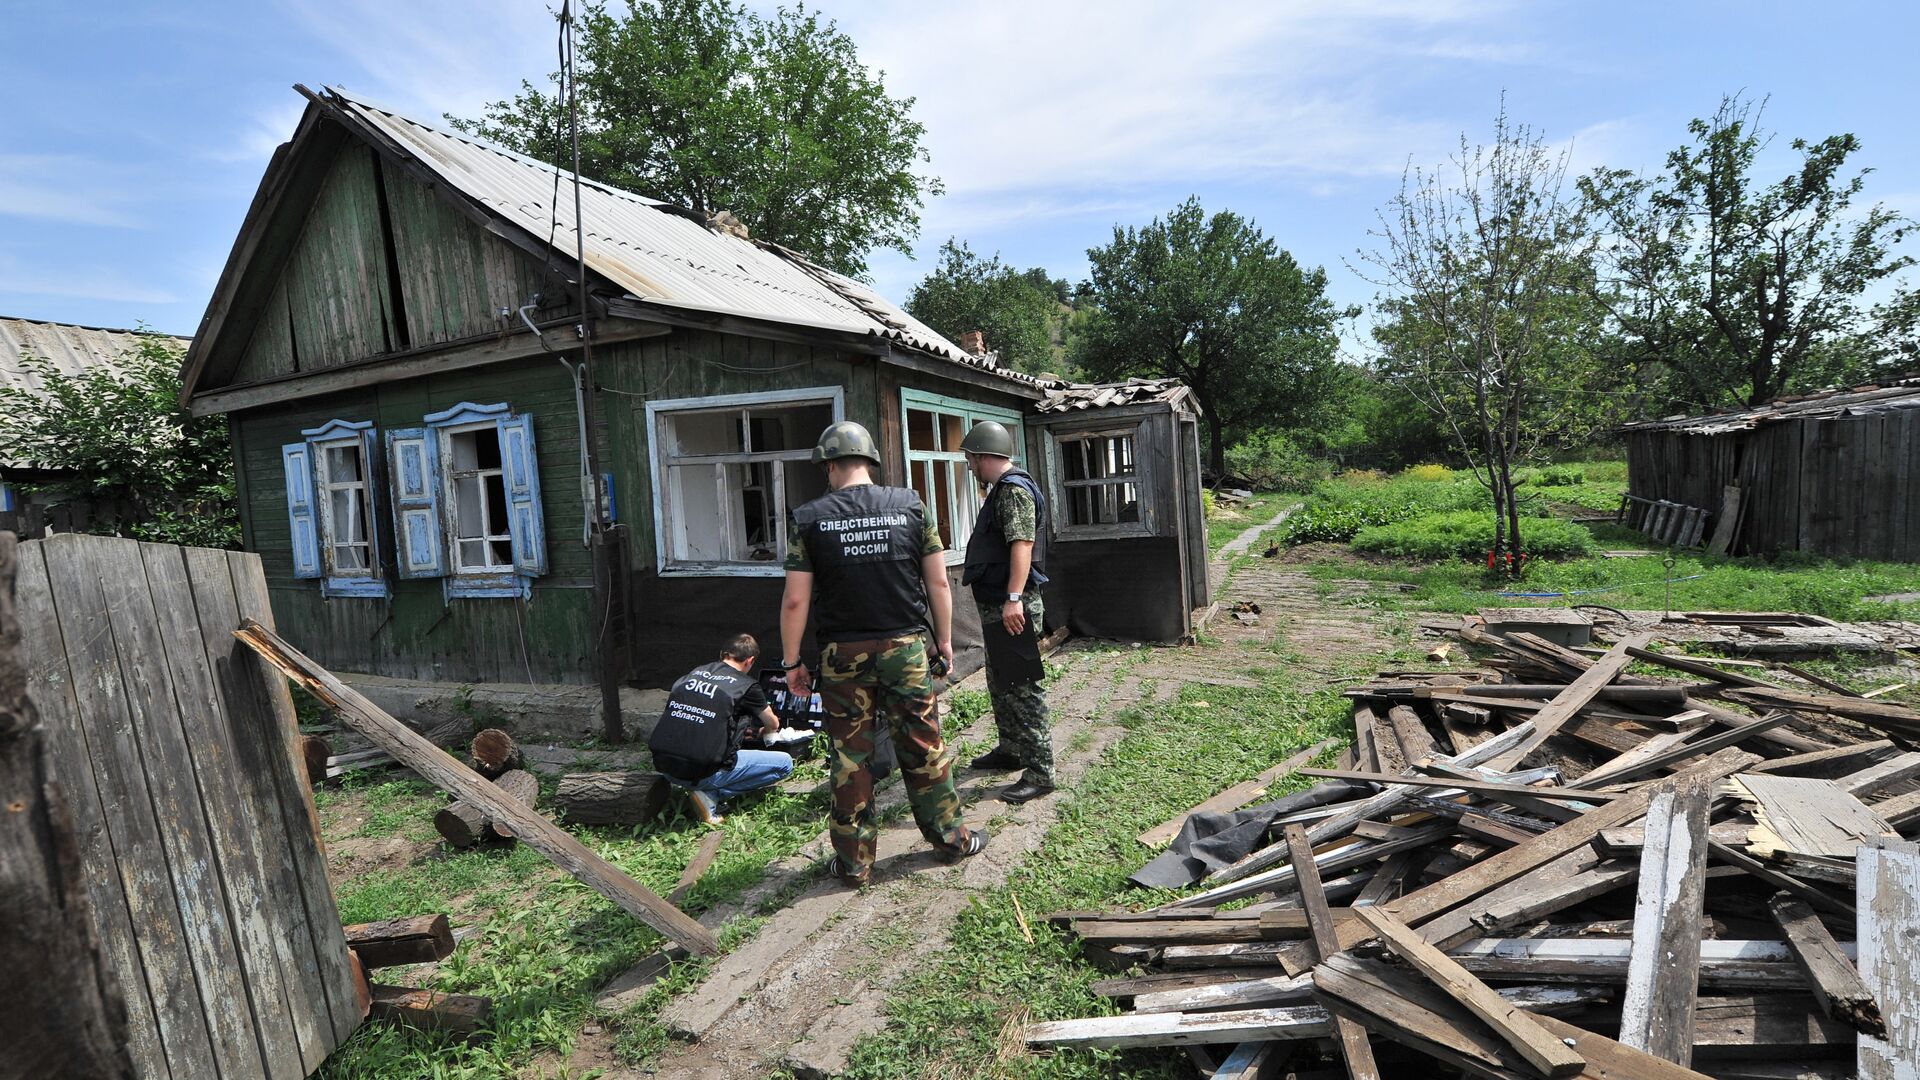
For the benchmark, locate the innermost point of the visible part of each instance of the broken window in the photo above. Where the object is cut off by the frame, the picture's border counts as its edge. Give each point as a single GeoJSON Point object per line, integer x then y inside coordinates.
{"type": "Point", "coordinates": [482, 538]}
{"type": "Point", "coordinates": [343, 504]}
{"type": "Point", "coordinates": [330, 508]}
{"type": "Point", "coordinates": [936, 467]}
{"type": "Point", "coordinates": [1099, 481]}
{"type": "Point", "coordinates": [731, 470]}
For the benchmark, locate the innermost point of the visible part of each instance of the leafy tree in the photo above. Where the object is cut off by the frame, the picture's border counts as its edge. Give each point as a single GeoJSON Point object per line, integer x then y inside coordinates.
{"type": "Point", "coordinates": [1488, 309]}
{"type": "Point", "coordinates": [1015, 311]}
{"type": "Point", "coordinates": [1737, 284]}
{"type": "Point", "coordinates": [712, 106]}
{"type": "Point", "coordinates": [1214, 302]}
{"type": "Point", "coordinates": [128, 443]}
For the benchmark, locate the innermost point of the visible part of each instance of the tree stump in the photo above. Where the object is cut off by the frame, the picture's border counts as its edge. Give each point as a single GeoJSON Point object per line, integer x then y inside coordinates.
{"type": "Point", "coordinates": [392, 942]}
{"type": "Point", "coordinates": [314, 752]}
{"type": "Point", "coordinates": [493, 752]}
{"type": "Point", "coordinates": [611, 798]}
{"type": "Point", "coordinates": [463, 824]}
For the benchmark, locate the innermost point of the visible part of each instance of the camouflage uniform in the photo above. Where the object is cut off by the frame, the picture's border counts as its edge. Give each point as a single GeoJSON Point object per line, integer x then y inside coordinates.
{"type": "Point", "coordinates": [886, 679]}
{"type": "Point", "coordinates": [1020, 709]}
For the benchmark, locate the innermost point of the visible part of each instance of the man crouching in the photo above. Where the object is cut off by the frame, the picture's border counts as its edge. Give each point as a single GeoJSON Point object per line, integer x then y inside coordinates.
{"type": "Point", "coordinates": [697, 741]}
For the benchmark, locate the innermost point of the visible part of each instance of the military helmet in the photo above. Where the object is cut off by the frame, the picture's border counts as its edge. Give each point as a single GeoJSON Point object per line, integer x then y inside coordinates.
{"type": "Point", "coordinates": [845, 439]}
{"type": "Point", "coordinates": [988, 437]}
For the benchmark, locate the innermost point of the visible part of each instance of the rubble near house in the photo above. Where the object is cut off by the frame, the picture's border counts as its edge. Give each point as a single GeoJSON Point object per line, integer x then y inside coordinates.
{"type": "Point", "coordinates": [1545, 866]}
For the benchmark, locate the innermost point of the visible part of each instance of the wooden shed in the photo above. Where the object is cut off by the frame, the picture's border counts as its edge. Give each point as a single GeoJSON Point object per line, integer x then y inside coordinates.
{"type": "Point", "coordinates": [1832, 473]}
{"type": "Point", "coordinates": [1128, 549]}
{"type": "Point", "coordinates": [396, 338]}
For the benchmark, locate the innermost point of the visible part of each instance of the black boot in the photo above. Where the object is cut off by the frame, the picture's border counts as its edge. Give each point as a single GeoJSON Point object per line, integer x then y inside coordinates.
{"type": "Point", "coordinates": [1025, 791]}
{"type": "Point", "coordinates": [995, 760]}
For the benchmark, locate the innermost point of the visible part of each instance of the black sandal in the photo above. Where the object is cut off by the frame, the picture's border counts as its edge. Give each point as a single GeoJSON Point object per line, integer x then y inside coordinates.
{"type": "Point", "coordinates": [974, 844]}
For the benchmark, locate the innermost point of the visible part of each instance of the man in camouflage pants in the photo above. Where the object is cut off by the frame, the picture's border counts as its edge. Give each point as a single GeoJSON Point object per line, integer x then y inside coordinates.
{"type": "Point", "coordinates": [1005, 557]}
{"type": "Point", "coordinates": [871, 558]}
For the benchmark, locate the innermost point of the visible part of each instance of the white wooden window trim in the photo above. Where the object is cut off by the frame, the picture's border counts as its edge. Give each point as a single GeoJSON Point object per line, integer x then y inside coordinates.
{"type": "Point", "coordinates": [961, 485]}
{"type": "Point", "coordinates": [659, 412]}
{"type": "Point", "coordinates": [1141, 479]}
{"type": "Point", "coordinates": [492, 531]}
{"type": "Point", "coordinates": [330, 531]}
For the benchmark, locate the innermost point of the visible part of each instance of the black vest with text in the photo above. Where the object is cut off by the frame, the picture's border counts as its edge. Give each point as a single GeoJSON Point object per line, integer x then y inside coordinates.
{"type": "Point", "coordinates": [699, 730]}
{"type": "Point", "coordinates": [989, 558]}
{"type": "Point", "coordinates": [864, 545]}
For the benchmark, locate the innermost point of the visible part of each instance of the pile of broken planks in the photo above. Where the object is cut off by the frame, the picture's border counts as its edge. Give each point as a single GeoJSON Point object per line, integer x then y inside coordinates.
{"type": "Point", "coordinates": [1553, 867]}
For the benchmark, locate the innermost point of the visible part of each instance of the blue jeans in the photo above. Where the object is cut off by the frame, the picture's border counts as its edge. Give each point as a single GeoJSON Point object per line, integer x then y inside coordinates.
{"type": "Point", "coordinates": [753, 770]}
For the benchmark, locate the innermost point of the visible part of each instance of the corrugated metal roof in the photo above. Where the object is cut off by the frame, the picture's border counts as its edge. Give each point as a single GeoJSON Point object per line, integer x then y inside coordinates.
{"type": "Point", "coordinates": [70, 349]}
{"type": "Point", "coordinates": [657, 252]}
{"type": "Point", "coordinates": [1903, 393]}
{"type": "Point", "coordinates": [1102, 395]}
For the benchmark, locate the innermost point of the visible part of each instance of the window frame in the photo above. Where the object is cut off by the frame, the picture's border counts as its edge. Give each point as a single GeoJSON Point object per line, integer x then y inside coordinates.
{"type": "Point", "coordinates": [512, 580]}
{"type": "Point", "coordinates": [970, 413]}
{"type": "Point", "coordinates": [456, 567]}
{"type": "Point", "coordinates": [658, 412]}
{"type": "Point", "coordinates": [370, 581]}
{"type": "Point", "coordinates": [1059, 487]}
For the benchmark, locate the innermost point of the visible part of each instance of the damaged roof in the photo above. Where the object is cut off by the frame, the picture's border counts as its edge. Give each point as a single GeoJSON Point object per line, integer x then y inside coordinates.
{"type": "Point", "coordinates": [658, 252]}
{"type": "Point", "coordinates": [1894, 394]}
{"type": "Point", "coordinates": [1066, 398]}
{"type": "Point", "coordinates": [72, 350]}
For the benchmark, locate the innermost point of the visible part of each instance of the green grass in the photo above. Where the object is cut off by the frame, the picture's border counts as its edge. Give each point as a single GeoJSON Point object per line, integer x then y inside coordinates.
{"type": "Point", "coordinates": [948, 1019]}
{"type": "Point", "coordinates": [548, 943]}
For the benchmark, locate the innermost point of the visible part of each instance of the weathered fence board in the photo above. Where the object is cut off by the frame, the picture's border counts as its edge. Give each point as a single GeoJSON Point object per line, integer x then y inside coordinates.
{"type": "Point", "coordinates": [174, 745]}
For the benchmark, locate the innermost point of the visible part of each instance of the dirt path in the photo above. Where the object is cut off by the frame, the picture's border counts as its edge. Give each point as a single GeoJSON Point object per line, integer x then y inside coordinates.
{"type": "Point", "coordinates": [816, 976]}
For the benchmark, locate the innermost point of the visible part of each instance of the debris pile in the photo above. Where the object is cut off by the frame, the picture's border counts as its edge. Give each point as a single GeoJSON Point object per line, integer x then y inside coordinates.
{"type": "Point", "coordinates": [1545, 866]}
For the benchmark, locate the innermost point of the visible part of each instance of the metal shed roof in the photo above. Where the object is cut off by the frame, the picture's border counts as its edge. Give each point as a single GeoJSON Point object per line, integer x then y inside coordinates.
{"type": "Point", "coordinates": [1101, 395]}
{"type": "Point", "coordinates": [70, 349]}
{"type": "Point", "coordinates": [655, 251]}
{"type": "Point", "coordinates": [1903, 393]}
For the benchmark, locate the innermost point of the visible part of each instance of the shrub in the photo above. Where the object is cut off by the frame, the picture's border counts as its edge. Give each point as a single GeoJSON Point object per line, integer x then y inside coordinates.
{"type": "Point", "coordinates": [1428, 474]}
{"type": "Point", "coordinates": [1560, 476]}
{"type": "Point", "coordinates": [1469, 534]}
{"type": "Point", "coordinates": [1363, 476]}
{"type": "Point", "coordinates": [1271, 461]}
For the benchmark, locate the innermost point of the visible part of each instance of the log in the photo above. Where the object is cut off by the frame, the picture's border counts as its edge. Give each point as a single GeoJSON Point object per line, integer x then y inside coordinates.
{"type": "Point", "coordinates": [73, 1019]}
{"type": "Point", "coordinates": [314, 752]}
{"type": "Point", "coordinates": [420, 939]}
{"type": "Point", "coordinates": [492, 753]}
{"type": "Point", "coordinates": [611, 798]}
{"type": "Point", "coordinates": [431, 1010]}
{"type": "Point", "coordinates": [437, 766]}
{"type": "Point", "coordinates": [463, 823]}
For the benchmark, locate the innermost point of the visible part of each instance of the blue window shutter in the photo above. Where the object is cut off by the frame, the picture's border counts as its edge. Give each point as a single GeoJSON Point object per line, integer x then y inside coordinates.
{"type": "Point", "coordinates": [521, 471]}
{"type": "Point", "coordinates": [302, 525]}
{"type": "Point", "coordinates": [413, 459]}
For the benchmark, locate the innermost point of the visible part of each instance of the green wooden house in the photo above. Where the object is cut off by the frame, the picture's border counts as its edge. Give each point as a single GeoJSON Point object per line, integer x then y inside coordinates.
{"type": "Point", "coordinates": [396, 338]}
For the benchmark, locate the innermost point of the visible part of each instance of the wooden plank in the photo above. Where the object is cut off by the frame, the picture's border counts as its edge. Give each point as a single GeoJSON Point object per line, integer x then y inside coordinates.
{"type": "Point", "coordinates": [1889, 924]}
{"type": "Point", "coordinates": [1236, 796]}
{"type": "Point", "coordinates": [1694, 667]}
{"type": "Point", "coordinates": [1656, 1011]}
{"type": "Point", "coordinates": [1345, 857]}
{"type": "Point", "coordinates": [1731, 964]}
{"type": "Point", "coordinates": [1515, 862]}
{"type": "Point", "coordinates": [1349, 1036]}
{"type": "Point", "coordinates": [287, 1017]}
{"type": "Point", "coordinates": [1570, 701]}
{"type": "Point", "coordinates": [1830, 762]}
{"type": "Point", "coordinates": [1726, 521]}
{"type": "Point", "coordinates": [1477, 787]}
{"type": "Point", "coordinates": [1717, 741]}
{"type": "Point", "coordinates": [227, 587]}
{"type": "Point", "coordinates": [51, 686]}
{"type": "Point", "coordinates": [1541, 1050]}
{"type": "Point", "coordinates": [1628, 842]}
{"type": "Point", "coordinates": [1607, 1058]}
{"type": "Point", "coordinates": [1902, 811]}
{"type": "Point", "coordinates": [431, 1010]}
{"type": "Point", "coordinates": [1808, 815]}
{"type": "Point", "coordinates": [1882, 775]}
{"type": "Point", "coordinates": [444, 771]}
{"type": "Point", "coordinates": [1633, 759]}
{"type": "Point", "coordinates": [1223, 993]}
{"type": "Point", "coordinates": [1779, 1025]}
{"type": "Point", "coordinates": [1416, 742]}
{"type": "Point", "coordinates": [1829, 973]}
{"type": "Point", "coordinates": [1181, 1029]}
{"type": "Point", "coordinates": [1733, 856]}
{"type": "Point", "coordinates": [703, 857]}
{"type": "Point", "coordinates": [1571, 879]}
{"type": "Point", "coordinates": [105, 713]}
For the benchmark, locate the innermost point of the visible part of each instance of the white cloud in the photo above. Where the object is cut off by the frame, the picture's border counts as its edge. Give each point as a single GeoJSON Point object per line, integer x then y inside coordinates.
{"type": "Point", "coordinates": [263, 133]}
{"type": "Point", "coordinates": [67, 188]}
{"type": "Point", "coordinates": [78, 284]}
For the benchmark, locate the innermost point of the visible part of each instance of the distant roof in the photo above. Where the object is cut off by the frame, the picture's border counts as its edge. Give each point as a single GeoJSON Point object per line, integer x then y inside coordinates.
{"type": "Point", "coordinates": [1894, 394]}
{"type": "Point", "coordinates": [70, 349]}
{"type": "Point", "coordinates": [658, 252]}
{"type": "Point", "coordinates": [1100, 395]}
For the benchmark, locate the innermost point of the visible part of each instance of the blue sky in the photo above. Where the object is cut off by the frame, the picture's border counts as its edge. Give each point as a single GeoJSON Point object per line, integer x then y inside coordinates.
{"type": "Point", "coordinates": [135, 134]}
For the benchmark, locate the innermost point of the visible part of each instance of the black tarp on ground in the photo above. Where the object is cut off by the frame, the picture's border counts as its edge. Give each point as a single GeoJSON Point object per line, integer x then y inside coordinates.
{"type": "Point", "coordinates": [1210, 841]}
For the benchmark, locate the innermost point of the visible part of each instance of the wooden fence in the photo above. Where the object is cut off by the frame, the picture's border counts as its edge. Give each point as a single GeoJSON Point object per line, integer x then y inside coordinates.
{"type": "Point", "coordinates": [173, 747]}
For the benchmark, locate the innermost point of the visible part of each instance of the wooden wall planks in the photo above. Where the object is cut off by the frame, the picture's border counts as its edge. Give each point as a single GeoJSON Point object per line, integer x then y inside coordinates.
{"type": "Point", "coordinates": [1889, 922]}
{"type": "Point", "coordinates": [174, 747]}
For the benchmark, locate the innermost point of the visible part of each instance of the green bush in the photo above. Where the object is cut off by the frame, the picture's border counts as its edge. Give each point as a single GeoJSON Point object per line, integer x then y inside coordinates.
{"type": "Point", "coordinates": [1342, 507]}
{"type": "Point", "coordinates": [1428, 473]}
{"type": "Point", "coordinates": [1560, 476]}
{"type": "Point", "coordinates": [1271, 461]}
{"type": "Point", "coordinates": [1469, 533]}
